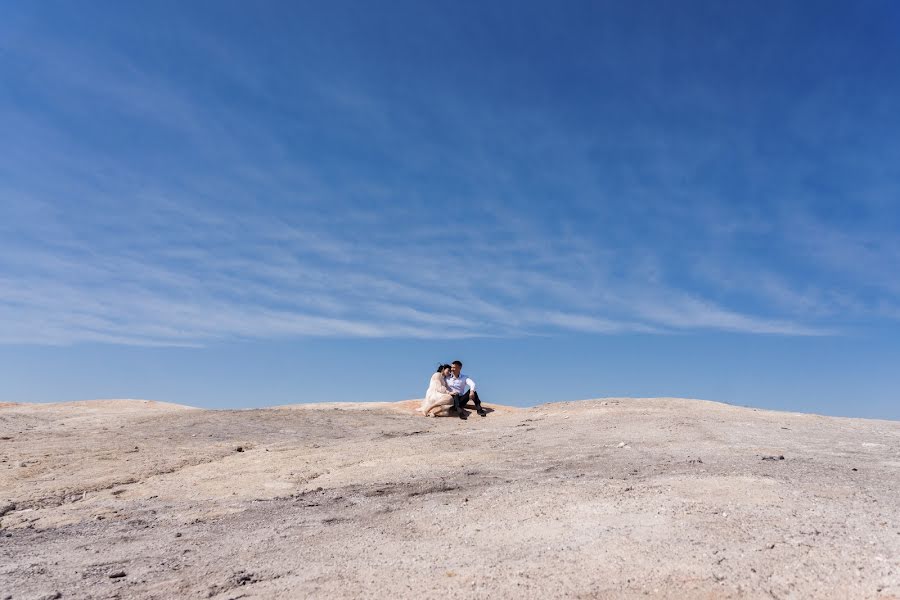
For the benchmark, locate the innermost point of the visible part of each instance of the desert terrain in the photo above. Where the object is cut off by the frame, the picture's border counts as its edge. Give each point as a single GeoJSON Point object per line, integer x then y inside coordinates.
{"type": "Point", "coordinates": [611, 498]}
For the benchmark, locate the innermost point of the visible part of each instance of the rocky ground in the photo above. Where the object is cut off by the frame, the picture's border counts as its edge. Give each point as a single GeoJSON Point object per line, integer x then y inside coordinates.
{"type": "Point", "coordinates": [625, 498]}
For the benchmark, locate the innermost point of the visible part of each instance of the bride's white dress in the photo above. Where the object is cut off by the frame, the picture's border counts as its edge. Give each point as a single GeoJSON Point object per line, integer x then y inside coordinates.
{"type": "Point", "coordinates": [438, 394]}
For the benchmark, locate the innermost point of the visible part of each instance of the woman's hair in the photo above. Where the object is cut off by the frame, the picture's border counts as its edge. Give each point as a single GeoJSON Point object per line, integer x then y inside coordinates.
{"type": "Point", "coordinates": [441, 368]}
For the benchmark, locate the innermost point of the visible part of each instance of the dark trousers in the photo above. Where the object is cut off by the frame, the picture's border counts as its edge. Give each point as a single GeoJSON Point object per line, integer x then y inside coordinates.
{"type": "Point", "coordinates": [461, 401]}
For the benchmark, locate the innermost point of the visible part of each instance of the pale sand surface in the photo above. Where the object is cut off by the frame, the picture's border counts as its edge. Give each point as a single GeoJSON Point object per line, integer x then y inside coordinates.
{"type": "Point", "coordinates": [373, 500]}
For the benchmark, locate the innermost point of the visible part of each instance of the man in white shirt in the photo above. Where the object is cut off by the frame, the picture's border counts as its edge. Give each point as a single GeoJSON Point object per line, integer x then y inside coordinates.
{"type": "Point", "coordinates": [457, 382]}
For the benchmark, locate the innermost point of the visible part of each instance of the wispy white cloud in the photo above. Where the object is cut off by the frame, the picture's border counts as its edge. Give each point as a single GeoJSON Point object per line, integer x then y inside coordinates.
{"type": "Point", "coordinates": [218, 285]}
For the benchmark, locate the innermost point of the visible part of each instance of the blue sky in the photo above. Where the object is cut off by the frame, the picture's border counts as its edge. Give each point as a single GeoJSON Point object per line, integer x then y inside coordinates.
{"type": "Point", "coordinates": [231, 205]}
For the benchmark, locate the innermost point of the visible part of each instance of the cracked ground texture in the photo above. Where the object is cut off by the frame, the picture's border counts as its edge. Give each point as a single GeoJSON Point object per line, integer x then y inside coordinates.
{"type": "Point", "coordinates": [625, 498]}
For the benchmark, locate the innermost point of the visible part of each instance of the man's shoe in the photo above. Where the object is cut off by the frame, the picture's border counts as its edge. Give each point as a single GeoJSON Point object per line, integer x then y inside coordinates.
{"type": "Point", "coordinates": [481, 412]}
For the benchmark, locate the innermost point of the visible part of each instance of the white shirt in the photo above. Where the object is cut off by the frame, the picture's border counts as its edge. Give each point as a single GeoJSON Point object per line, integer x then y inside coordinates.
{"type": "Point", "coordinates": [458, 385]}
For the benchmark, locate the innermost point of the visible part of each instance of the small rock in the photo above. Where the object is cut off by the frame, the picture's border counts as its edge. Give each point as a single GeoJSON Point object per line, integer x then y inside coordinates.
{"type": "Point", "coordinates": [6, 507]}
{"type": "Point", "coordinates": [117, 575]}
{"type": "Point", "coordinates": [239, 449]}
{"type": "Point", "coordinates": [621, 445]}
{"type": "Point", "coordinates": [23, 464]}
{"type": "Point", "coordinates": [854, 469]}
{"type": "Point", "coordinates": [779, 457]}
{"type": "Point", "coordinates": [178, 534]}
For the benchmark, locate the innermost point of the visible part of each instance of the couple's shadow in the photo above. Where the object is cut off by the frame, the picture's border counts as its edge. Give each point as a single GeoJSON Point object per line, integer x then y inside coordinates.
{"type": "Point", "coordinates": [468, 411]}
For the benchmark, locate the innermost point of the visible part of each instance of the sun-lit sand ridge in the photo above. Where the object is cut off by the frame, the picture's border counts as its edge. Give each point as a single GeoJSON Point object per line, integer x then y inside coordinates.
{"type": "Point", "coordinates": [618, 497]}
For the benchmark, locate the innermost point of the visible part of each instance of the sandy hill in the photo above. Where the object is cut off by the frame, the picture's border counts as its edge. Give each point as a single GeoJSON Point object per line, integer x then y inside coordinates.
{"type": "Point", "coordinates": [617, 497]}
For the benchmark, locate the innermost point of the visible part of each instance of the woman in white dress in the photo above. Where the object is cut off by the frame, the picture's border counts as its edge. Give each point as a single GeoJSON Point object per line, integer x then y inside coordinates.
{"type": "Point", "coordinates": [438, 399]}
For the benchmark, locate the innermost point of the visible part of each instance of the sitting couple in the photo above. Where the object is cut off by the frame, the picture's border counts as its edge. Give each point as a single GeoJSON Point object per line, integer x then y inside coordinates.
{"type": "Point", "coordinates": [447, 393]}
